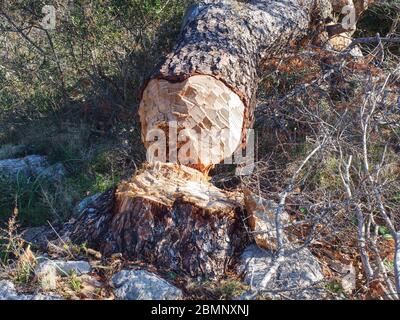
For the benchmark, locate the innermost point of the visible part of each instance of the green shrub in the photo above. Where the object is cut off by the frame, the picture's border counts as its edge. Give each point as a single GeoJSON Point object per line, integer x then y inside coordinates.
{"type": "Point", "coordinates": [71, 94]}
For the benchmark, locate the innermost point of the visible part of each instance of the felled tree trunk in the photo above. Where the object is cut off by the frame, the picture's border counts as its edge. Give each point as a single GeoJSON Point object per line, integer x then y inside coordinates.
{"type": "Point", "coordinates": [169, 214]}
{"type": "Point", "coordinates": [208, 83]}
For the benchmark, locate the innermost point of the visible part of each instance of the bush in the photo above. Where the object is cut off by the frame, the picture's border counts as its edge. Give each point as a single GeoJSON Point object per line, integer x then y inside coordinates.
{"type": "Point", "coordinates": [71, 93]}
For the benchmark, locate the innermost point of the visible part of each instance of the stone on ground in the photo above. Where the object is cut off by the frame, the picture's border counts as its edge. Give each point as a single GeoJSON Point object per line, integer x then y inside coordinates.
{"type": "Point", "coordinates": [31, 166]}
{"type": "Point", "coordinates": [299, 276]}
{"type": "Point", "coordinates": [48, 271]}
{"type": "Point", "coordinates": [64, 268]}
{"type": "Point", "coordinates": [8, 292]}
{"type": "Point", "coordinates": [143, 285]}
{"type": "Point", "coordinates": [82, 205]}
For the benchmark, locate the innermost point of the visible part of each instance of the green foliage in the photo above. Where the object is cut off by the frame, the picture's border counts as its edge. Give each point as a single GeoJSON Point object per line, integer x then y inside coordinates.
{"type": "Point", "coordinates": [389, 265]}
{"type": "Point", "coordinates": [385, 233]}
{"type": "Point", "coordinates": [382, 18]}
{"type": "Point", "coordinates": [25, 273]}
{"type": "Point", "coordinates": [16, 258]}
{"type": "Point", "coordinates": [29, 195]}
{"type": "Point", "coordinates": [225, 289]}
{"type": "Point", "coordinates": [379, 18]}
{"type": "Point", "coordinates": [98, 54]}
{"type": "Point", "coordinates": [328, 177]}
{"type": "Point", "coordinates": [232, 288]}
{"type": "Point", "coordinates": [74, 282]}
{"type": "Point", "coordinates": [336, 287]}
{"type": "Point", "coordinates": [40, 199]}
{"type": "Point", "coordinates": [71, 94]}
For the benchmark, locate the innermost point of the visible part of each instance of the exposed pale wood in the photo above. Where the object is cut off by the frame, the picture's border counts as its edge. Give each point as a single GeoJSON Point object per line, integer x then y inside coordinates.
{"type": "Point", "coordinates": [359, 5]}
{"type": "Point", "coordinates": [341, 41]}
{"type": "Point", "coordinates": [207, 114]}
{"type": "Point", "coordinates": [337, 37]}
{"type": "Point", "coordinates": [163, 183]}
{"type": "Point", "coordinates": [260, 218]}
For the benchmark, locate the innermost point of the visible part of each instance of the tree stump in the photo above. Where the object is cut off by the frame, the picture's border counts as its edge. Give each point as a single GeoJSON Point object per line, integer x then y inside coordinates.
{"type": "Point", "coordinates": [169, 216]}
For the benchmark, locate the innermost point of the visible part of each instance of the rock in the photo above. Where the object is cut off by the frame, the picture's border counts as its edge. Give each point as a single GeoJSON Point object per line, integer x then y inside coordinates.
{"type": "Point", "coordinates": [38, 235]}
{"type": "Point", "coordinates": [261, 219]}
{"type": "Point", "coordinates": [348, 275]}
{"type": "Point", "coordinates": [46, 274]}
{"type": "Point", "coordinates": [7, 290]}
{"type": "Point", "coordinates": [77, 267]}
{"type": "Point", "coordinates": [11, 151]}
{"type": "Point", "coordinates": [41, 296]}
{"type": "Point", "coordinates": [81, 206]}
{"type": "Point", "coordinates": [55, 172]}
{"type": "Point", "coordinates": [48, 271]}
{"type": "Point", "coordinates": [297, 277]}
{"type": "Point", "coordinates": [20, 297]}
{"type": "Point", "coordinates": [29, 166]}
{"type": "Point", "coordinates": [65, 268]}
{"type": "Point", "coordinates": [248, 295]}
{"type": "Point", "coordinates": [143, 285]}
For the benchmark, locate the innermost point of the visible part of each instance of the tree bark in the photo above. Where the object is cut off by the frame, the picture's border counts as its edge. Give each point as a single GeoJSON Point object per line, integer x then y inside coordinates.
{"type": "Point", "coordinates": [167, 215]}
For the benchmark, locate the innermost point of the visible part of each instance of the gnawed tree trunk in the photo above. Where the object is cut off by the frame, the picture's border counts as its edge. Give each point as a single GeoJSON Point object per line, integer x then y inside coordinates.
{"type": "Point", "coordinates": [169, 214]}
{"type": "Point", "coordinates": [209, 81]}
